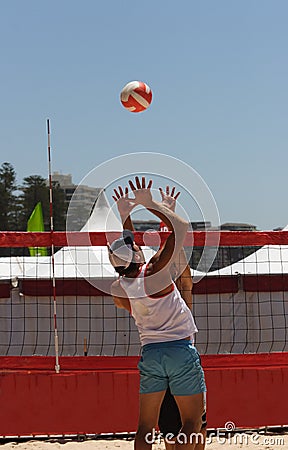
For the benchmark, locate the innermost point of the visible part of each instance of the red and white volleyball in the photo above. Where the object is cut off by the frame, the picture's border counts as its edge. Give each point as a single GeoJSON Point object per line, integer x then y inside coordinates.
{"type": "Point", "coordinates": [136, 96]}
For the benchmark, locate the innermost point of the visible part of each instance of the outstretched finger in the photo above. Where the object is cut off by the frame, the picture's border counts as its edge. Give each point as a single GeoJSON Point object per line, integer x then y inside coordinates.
{"type": "Point", "coordinates": [120, 190]}
{"type": "Point", "coordinates": [162, 193]}
{"type": "Point", "coordinates": [116, 194]}
{"type": "Point", "coordinates": [150, 184]}
{"type": "Point", "coordinates": [126, 191]}
{"type": "Point", "coordinates": [167, 190]}
{"type": "Point", "coordinates": [177, 195]}
{"type": "Point", "coordinates": [173, 191]}
{"type": "Point", "coordinates": [138, 182]}
{"type": "Point", "coordinates": [132, 185]}
{"type": "Point", "coordinates": [143, 182]}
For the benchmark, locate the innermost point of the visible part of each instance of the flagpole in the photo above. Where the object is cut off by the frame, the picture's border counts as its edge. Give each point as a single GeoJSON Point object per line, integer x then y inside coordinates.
{"type": "Point", "coordinates": [56, 341]}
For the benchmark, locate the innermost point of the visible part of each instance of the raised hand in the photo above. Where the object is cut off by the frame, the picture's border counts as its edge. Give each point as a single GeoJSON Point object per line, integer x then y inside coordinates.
{"type": "Point", "coordinates": [142, 193]}
{"type": "Point", "coordinates": [124, 203]}
{"type": "Point", "coordinates": [169, 199]}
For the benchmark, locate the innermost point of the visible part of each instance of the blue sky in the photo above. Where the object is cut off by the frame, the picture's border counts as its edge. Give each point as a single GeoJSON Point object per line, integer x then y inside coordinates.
{"type": "Point", "coordinates": [218, 71]}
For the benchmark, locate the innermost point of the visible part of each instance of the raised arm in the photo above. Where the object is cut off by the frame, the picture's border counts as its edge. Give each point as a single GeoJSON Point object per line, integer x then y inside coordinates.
{"type": "Point", "coordinates": [180, 270]}
{"type": "Point", "coordinates": [177, 225]}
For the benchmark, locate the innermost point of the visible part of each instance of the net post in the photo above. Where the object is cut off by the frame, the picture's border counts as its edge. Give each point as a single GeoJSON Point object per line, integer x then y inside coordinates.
{"type": "Point", "coordinates": [56, 339]}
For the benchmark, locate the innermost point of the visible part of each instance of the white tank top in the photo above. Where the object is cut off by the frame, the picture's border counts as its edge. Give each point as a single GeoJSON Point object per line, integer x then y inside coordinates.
{"type": "Point", "coordinates": [166, 318]}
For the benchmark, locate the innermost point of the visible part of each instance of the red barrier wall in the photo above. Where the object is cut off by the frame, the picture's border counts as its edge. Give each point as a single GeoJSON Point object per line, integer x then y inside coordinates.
{"type": "Point", "coordinates": [94, 395]}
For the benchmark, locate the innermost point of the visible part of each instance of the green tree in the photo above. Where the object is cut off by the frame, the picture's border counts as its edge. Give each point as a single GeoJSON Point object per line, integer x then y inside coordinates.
{"type": "Point", "coordinates": [35, 189]}
{"type": "Point", "coordinates": [9, 207]}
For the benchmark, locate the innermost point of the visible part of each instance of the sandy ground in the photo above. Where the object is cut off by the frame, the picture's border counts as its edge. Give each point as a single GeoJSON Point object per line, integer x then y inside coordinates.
{"type": "Point", "coordinates": [238, 441]}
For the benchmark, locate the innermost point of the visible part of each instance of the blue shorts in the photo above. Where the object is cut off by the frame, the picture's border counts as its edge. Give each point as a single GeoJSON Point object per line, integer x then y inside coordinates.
{"type": "Point", "coordinates": [175, 364]}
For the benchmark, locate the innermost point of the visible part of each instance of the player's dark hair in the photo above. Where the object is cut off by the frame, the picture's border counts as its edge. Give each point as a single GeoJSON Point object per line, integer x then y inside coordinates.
{"type": "Point", "coordinates": [133, 266]}
{"type": "Point", "coordinates": [127, 239]}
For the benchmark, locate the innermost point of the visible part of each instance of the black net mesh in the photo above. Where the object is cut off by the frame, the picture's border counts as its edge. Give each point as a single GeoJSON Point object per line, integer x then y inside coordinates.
{"type": "Point", "coordinates": [240, 305]}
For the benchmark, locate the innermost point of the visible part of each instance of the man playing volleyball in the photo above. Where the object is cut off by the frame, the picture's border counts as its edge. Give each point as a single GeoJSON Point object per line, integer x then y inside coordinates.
{"type": "Point", "coordinates": [164, 322]}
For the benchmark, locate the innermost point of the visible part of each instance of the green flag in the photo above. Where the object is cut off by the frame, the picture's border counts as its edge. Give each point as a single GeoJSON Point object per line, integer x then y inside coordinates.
{"type": "Point", "coordinates": [36, 223]}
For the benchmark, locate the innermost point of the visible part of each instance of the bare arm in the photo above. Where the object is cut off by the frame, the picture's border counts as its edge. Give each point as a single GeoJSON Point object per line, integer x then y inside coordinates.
{"type": "Point", "coordinates": [178, 226]}
{"type": "Point", "coordinates": [184, 284]}
{"type": "Point", "coordinates": [125, 206]}
{"type": "Point", "coordinates": [180, 270]}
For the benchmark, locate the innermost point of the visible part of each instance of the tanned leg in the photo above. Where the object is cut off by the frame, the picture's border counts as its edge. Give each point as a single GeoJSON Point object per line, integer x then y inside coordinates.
{"type": "Point", "coordinates": [148, 418]}
{"type": "Point", "coordinates": [191, 408]}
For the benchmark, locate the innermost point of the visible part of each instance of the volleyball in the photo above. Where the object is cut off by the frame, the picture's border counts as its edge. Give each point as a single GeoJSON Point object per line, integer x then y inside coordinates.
{"type": "Point", "coordinates": [136, 96]}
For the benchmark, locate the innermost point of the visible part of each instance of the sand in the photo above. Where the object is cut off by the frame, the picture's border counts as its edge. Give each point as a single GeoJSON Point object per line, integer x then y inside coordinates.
{"type": "Point", "coordinates": [239, 441]}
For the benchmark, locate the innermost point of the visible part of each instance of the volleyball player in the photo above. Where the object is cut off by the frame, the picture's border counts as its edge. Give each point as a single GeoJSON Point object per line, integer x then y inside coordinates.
{"type": "Point", "coordinates": [164, 321]}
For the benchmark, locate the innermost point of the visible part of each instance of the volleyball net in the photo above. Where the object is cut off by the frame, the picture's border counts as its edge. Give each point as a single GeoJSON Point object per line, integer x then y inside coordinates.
{"type": "Point", "coordinates": [240, 304]}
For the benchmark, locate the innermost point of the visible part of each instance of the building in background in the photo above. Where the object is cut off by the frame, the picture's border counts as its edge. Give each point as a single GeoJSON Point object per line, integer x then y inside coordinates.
{"type": "Point", "coordinates": [145, 225]}
{"type": "Point", "coordinates": [235, 226]}
{"type": "Point", "coordinates": [83, 199]}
